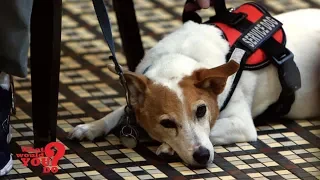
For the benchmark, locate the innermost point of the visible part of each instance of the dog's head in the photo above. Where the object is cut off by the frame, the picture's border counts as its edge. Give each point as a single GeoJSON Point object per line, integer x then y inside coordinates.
{"type": "Point", "coordinates": [182, 119]}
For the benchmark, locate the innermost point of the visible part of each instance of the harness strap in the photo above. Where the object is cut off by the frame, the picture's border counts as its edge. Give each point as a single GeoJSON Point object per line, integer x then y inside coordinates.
{"type": "Point", "coordinates": [193, 16]}
{"type": "Point", "coordinates": [241, 60]}
{"type": "Point", "coordinates": [288, 72]}
{"type": "Point", "coordinates": [220, 7]}
{"type": "Point", "coordinates": [222, 13]}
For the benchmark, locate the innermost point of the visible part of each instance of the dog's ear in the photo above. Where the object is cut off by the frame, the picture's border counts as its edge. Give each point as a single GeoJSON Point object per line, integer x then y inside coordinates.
{"type": "Point", "coordinates": [215, 79]}
{"type": "Point", "coordinates": [137, 85]}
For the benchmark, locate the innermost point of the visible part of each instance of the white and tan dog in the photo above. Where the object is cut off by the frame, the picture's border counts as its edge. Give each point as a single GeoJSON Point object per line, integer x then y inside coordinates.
{"type": "Point", "coordinates": [177, 99]}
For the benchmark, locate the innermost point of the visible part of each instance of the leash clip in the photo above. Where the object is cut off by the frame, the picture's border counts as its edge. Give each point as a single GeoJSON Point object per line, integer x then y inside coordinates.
{"type": "Point", "coordinates": [129, 134]}
{"type": "Point", "coordinates": [122, 80]}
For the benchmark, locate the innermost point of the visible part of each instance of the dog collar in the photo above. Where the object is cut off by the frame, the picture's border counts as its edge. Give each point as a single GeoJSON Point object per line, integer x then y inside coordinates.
{"type": "Point", "coordinates": [146, 69]}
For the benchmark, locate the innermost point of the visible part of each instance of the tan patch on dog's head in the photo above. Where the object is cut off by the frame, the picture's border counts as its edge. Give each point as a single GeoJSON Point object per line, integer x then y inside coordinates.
{"type": "Point", "coordinates": [152, 103]}
{"type": "Point", "coordinates": [206, 85]}
{"type": "Point", "coordinates": [184, 123]}
{"type": "Point", "coordinates": [160, 103]}
{"type": "Point", "coordinates": [194, 95]}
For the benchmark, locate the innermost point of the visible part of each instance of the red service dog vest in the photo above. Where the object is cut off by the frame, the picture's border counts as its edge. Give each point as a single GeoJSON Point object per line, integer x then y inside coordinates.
{"type": "Point", "coordinates": [255, 35]}
{"type": "Point", "coordinates": [256, 39]}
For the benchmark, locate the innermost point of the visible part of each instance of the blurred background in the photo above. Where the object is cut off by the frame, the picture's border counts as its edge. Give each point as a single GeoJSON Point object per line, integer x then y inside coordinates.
{"type": "Point", "coordinates": [89, 91]}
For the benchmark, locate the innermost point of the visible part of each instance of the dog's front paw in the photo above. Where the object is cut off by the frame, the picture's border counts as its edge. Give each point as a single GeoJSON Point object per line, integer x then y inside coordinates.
{"type": "Point", "coordinates": [164, 148]}
{"type": "Point", "coordinates": [223, 140]}
{"type": "Point", "coordinates": [217, 141]}
{"type": "Point", "coordinates": [83, 131]}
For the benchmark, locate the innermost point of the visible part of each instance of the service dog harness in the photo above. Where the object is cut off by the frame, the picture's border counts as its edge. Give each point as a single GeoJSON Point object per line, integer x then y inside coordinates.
{"type": "Point", "coordinates": [256, 40]}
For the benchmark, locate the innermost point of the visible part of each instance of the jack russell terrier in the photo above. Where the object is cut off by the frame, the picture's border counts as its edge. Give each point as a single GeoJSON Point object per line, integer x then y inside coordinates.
{"type": "Point", "coordinates": [182, 82]}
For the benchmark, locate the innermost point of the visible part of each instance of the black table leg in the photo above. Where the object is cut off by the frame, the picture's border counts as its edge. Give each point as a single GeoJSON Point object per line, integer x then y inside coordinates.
{"type": "Point", "coordinates": [129, 31]}
{"type": "Point", "coordinates": [45, 67]}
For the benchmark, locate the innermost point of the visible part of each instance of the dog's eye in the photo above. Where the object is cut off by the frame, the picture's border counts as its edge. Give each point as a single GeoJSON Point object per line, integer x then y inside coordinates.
{"type": "Point", "coordinates": [167, 123]}
{"type": "Point", "coordinates": [201, 111]}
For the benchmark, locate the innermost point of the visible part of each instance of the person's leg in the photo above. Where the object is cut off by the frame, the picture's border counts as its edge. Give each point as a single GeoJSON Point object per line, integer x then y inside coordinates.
{"type": "Point", "coordinates": [14, 36]}
{"type": "Point", "coordinates": [5, 136]}
{"type": "Point", "coordinates": [14, 44]}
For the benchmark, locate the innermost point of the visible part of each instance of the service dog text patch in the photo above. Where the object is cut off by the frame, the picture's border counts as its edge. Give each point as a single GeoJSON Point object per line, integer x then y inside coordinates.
{"type": "Point", "coordinates": [260, 32]}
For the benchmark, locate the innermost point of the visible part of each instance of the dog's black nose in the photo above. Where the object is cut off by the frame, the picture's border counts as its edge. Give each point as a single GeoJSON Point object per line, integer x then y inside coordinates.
{"type": "Point", "coordinates": [201, 155]}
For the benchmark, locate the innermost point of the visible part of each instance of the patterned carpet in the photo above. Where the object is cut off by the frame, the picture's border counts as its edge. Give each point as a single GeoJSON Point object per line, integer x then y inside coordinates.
{"type": "Point", "coordinates": [88, 91]}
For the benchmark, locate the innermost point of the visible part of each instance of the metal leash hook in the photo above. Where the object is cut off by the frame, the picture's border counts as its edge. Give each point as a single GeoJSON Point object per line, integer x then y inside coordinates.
{"type": "Point", "coordinates": [122, 80]}
{"type": "Point", "coordinates": [129, 133]}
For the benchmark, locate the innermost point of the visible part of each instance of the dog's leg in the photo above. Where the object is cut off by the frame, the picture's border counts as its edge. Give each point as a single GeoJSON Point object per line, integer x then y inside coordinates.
{"type": "Point", "coordinates": [97, 128]}
{"type": "Point", "coordinates": [235, 125]}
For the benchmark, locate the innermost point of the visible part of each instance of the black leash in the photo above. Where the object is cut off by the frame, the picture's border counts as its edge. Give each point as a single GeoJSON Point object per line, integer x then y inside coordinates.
{"type": "Point", "coordinates": [129, 133]}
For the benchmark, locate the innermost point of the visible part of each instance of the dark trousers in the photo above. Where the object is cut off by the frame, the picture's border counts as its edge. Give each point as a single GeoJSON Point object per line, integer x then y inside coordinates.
{"type": "Point", "coordinates": [14, 36]}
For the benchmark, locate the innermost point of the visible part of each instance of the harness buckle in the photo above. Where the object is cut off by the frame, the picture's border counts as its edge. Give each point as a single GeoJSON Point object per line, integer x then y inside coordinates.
{"type": "Point", "coordinates": [287, 56]}
{"type": "Point", "coordinates": [236, 18]}
{"type": "Point", "coordinates": [229, 18]}
{"type": "Point", "coordinates": [289, 74]}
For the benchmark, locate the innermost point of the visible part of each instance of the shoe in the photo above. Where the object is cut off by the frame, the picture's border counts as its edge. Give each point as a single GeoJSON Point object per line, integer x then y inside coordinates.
{"type": "Point", "coordinates": [5, 134]}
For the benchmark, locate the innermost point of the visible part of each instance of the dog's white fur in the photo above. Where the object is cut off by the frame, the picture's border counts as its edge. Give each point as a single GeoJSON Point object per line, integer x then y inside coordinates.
{"type": "Point", "coordinates": [195, 46]}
